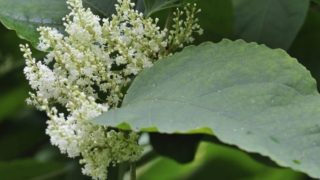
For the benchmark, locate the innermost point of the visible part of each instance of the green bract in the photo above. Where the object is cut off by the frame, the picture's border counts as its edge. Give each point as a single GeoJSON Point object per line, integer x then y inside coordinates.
{"type": "Point", "coordinates": [248, 95]}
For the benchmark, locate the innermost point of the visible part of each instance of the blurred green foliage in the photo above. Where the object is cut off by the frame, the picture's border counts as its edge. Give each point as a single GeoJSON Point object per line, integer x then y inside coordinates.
{"type": "Point", "coordinates": [25, 151]}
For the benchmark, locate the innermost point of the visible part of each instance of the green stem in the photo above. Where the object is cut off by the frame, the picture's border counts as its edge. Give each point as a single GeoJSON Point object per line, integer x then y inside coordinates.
{"type": "Point", "coordinates": [170, 16]}
{"type": "Point", "coordinates": [133, 175]}
{"type": "Point", "coordinates": [121, 170]}
{"type": "Point", "coordinates": [169, 19]}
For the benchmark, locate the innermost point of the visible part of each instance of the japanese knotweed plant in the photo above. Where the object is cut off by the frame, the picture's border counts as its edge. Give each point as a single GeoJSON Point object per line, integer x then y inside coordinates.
{"type": "Point", "coordinates": [101, 86]}
{"type": "Point", "coordinates": [86, 71]}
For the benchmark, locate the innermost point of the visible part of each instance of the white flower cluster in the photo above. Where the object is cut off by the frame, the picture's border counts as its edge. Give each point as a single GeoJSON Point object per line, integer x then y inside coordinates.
{"type": "Point", "coordinates": [86, 71]}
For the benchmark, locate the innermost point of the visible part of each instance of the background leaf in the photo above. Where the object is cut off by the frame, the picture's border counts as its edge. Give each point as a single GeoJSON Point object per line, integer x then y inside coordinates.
{"type": "Point", "coordinates": [102, 7]}
{"type": "Point", "coordinates": [307, 44]}
{"type": "Point", "coordinates": [258, 99]}
{"type": "Point", "coordinates": [316, 1]}
{"type": "Point", "coordinates": [153, 6]}
{"type": "Point", "coordinates": [24, 16]}
{"type": "Point", "coordinates": [216, 18]}
{"type": "Point", "coordinates": [271, 22]}
{"type": "Point", "coordinates": [214, 161]}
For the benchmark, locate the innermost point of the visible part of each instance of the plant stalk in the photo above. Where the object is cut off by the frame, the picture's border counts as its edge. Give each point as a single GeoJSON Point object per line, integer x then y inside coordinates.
{"type": "Point", "coordinates": [133, 174]}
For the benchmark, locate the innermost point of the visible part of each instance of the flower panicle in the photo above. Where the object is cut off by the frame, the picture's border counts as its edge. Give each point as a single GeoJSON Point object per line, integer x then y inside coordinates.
{"type": "Point", "coordinates": [86, 70]}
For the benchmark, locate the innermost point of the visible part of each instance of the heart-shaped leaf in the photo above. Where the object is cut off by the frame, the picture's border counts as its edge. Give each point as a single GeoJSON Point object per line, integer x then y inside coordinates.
{"type": "Point", "coordinates": [247, 95]}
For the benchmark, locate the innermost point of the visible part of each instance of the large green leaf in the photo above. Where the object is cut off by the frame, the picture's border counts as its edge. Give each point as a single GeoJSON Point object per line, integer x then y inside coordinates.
{"type": "Point", "coordinates": [248, 95]}
{"type": "Point", "coordinates": [272, 22]}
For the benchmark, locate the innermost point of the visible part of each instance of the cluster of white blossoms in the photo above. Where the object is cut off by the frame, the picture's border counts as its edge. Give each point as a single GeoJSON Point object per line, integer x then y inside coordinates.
{"type": "Point", "coordinates": [86, 70]}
